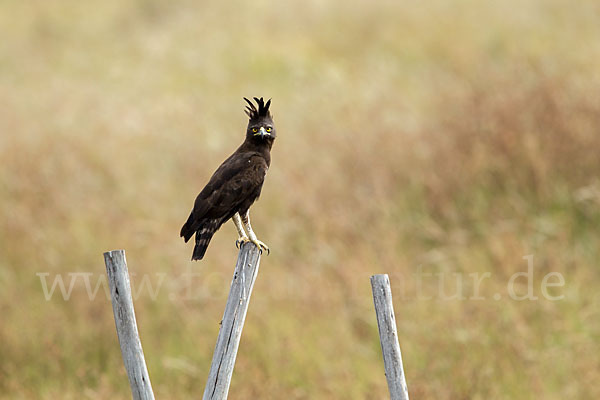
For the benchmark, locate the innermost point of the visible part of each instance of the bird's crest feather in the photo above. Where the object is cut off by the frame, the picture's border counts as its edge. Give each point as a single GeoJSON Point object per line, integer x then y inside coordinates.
{"type": "Point", "coordinates": [261, 111]}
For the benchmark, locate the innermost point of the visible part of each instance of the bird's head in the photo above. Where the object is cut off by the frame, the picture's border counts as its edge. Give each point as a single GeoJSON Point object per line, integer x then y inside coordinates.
{"type": "Point", "coordinates": [260, 126]}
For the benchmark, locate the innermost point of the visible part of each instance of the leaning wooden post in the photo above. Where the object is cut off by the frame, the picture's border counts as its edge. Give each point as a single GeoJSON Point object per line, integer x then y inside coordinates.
{"type": "Point", "coordinates": [221, 369]}
{"type": "Point", "coordinates": [386, 322]}
{"type": "Point", "coordinates": [131, 347]}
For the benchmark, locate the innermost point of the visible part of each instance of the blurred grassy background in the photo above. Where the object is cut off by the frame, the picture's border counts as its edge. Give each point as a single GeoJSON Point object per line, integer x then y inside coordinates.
{"type": "Point", "coordinates": [452, 136]}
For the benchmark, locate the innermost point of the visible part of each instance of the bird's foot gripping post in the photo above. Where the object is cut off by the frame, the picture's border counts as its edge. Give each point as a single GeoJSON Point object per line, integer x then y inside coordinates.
{"type": "Point", "coordinates": [240, 241]}
{"type": "Point", "coordinates": [221, 368]}
{"type": "Point", "coordinates": [243, 237]}
{"type": "Point", "coordinates": [245, 219]}
{"type": "Point", "coordinates": [260, 245]}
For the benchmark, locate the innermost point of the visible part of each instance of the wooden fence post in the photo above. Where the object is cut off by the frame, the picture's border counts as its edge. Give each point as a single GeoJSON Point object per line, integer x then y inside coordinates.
{"type": "Point", "coordinates": [129, 340]}
{"type": "Point", "coordinates": [386, 322]}
{"type": "Point", "coordinates": [223, 361]}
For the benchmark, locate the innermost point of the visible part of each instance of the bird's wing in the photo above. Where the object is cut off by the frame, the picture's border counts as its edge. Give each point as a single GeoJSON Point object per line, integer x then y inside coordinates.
{"type": "Point", "coordinates": [241, 176]}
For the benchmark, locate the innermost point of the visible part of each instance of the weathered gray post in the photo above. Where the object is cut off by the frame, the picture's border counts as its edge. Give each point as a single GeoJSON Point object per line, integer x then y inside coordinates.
{"type": "Point", "coordinates": [386, 322]}
{"type": "Point", "coordinates": [129, 340]}
{"type": "Point", "coordinates": [230, 332]}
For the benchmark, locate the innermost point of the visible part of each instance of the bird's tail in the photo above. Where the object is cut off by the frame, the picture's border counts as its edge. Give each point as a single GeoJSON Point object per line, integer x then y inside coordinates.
{"type": "Point", "coordinates": [203, 236]}
{"type": "Point", "coordinates": [188, 229]}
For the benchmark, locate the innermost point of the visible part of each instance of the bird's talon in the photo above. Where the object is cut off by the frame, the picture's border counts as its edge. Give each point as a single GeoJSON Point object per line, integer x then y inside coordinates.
{"type": "Point", "coordinates": [261, 246]}
{"type": "Point", "coordinates": [240, 242]}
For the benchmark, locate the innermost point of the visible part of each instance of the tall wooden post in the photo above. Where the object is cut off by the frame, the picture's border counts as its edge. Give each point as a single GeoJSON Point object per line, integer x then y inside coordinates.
{"type": "Point", "coordinates": [230, 332]}
{"type": "Point", "coordinates": [386, 322]}
{"type": "Point", "coordinates": [129, 340]}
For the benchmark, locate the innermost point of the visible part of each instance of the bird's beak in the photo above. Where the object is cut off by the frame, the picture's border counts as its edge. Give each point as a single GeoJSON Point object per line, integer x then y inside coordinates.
{"type": "Point", "coordinates": [262, 132]}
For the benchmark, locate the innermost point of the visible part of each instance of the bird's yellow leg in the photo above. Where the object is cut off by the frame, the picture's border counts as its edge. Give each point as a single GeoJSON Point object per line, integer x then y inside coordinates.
{"type": "Point", "coordinates": [242, 237]}
{"type": "Point", "coordinates": [252, 236]}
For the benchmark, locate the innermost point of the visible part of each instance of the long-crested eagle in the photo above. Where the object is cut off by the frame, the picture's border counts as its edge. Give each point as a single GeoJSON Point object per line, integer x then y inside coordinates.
{"type": "Point", "coordinates": [235, 185]}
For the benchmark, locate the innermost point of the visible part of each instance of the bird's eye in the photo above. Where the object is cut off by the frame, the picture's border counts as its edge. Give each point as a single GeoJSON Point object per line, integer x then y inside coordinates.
{"type": "Point", "coordinates": [254, 130]}
{"type": "Point", "coordinates": [269, 129]}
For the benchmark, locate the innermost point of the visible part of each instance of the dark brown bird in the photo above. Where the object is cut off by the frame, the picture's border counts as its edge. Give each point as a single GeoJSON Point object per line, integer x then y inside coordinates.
{"type": "Point", "coordinates": [235, 185]}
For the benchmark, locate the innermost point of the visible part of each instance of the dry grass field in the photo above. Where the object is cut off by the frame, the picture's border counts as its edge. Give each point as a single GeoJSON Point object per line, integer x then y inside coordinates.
{"type": "Point", "coordinates": [440, 142]}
